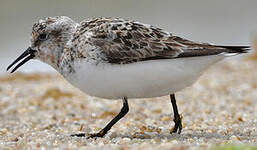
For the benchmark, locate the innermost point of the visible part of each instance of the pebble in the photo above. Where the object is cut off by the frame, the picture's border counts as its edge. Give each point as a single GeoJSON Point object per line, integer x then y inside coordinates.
{"type": "Point", "coordinates": [3, 131]}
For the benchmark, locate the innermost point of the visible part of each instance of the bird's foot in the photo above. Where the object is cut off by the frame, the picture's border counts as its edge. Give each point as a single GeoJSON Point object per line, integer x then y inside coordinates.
{"type": "Point", "coordinates": [178, 125]}
{"type": "Point", "coordinates": [93, 135]}
{"type": "Point", "coordinates": [78, 135]}
{"type": "Point", "coordinates": [96, 135]}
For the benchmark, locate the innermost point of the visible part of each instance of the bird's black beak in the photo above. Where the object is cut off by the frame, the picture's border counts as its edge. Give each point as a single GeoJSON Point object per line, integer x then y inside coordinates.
{"type": "Point", "coordinates": [29, 52]}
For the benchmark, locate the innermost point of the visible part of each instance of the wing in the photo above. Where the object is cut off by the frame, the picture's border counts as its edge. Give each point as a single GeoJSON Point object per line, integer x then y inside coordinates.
{"type": "Point", "coordinates": [123, 41]}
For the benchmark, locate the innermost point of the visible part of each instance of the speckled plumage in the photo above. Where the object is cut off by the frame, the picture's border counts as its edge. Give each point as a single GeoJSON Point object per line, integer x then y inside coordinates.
{"type": "Point", "coordinates": [120, 41]}
{"type": "Point", "coordinates": [111, 40]}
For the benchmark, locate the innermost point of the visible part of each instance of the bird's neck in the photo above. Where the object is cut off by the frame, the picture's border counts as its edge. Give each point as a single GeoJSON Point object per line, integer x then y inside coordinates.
{"type": "Point", "coordinates": [66, 62]}
{"type": "Point", "coordinates": [65, 55]}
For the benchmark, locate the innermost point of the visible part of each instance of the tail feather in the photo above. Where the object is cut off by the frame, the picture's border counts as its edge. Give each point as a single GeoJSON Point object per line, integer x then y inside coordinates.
{"type": "Point", "coordinates": [236, 49]}
{"type": "Point", "coordinates": [215, 50]}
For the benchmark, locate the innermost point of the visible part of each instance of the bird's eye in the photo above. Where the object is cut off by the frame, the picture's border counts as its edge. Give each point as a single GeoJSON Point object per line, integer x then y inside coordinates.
{"type": "Point", "coordinates": [42, 36]}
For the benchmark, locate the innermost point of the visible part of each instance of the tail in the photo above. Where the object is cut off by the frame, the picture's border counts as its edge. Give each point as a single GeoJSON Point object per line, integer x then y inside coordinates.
{"type": "Point", "coordinates": [236, 49]}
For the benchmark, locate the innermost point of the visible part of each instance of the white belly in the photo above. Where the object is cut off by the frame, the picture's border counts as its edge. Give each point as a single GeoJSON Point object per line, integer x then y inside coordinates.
{"type": "Point", "coordinates": [140, 80]}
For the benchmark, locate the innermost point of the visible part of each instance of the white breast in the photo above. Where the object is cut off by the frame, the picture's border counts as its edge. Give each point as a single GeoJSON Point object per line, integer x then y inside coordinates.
{"type": "Point", "coordinates": [140, 80]}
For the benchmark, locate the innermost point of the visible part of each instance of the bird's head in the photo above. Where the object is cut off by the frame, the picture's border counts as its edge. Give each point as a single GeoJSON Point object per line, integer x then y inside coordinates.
{"type": "Point", "coordinates": [48, 40]}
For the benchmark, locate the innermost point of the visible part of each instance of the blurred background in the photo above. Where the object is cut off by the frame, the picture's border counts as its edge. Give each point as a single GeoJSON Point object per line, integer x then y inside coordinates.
{"type": "Point", "coordinates": [41, 111]}
{"type": "Point", "coordinates": [230, 22]}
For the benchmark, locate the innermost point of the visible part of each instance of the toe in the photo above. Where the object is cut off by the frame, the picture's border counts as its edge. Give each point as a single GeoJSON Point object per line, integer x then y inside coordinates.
{"type": "Point", "coordinates": [95, 135]}
{"type": "Point", "coordinates": [78, 135]}
{"type": "Point", "coordinates": [173, 130]}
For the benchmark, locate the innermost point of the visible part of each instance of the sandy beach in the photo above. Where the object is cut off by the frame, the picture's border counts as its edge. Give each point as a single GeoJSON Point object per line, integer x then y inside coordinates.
{"type": "Point", "coordinates": [41, 111]}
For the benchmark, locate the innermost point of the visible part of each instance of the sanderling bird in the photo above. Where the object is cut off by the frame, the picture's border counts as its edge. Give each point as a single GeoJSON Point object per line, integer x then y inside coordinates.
{"type": "Point", "coordinates": [113, 58]}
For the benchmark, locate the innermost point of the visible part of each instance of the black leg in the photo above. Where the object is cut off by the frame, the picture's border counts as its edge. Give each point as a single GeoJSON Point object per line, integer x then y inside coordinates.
{"type": "Point", "coordinates": [177, 119]}
{"type": "Point", "coordinates": [123, 112]}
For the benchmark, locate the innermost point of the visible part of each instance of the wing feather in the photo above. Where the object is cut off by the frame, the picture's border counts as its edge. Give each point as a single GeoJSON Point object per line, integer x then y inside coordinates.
{"type": "Point", "coordinates": [124, 41]}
